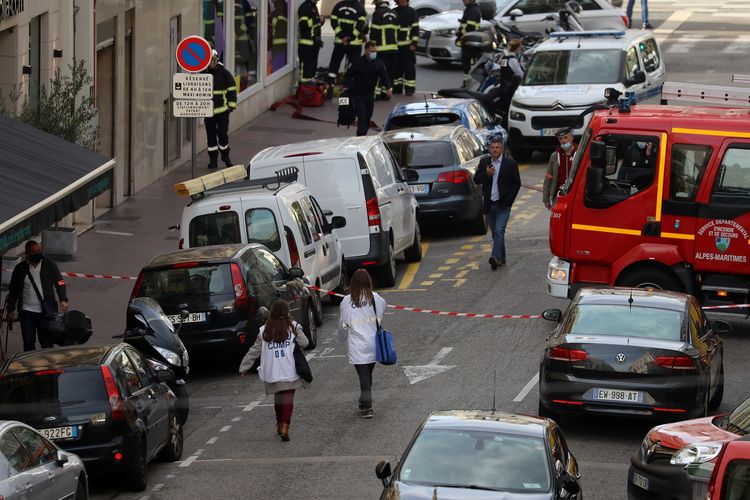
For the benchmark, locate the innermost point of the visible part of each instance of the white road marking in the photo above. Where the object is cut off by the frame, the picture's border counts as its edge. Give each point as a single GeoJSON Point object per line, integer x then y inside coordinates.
{"type": "Point", "coordinates": [673, 22]}
{"type": "Point", "coordinates": [236, 419]}
{"type": "Point", "coordinates": [170, 476]}
{"type": "Point", "coordinates": [225, 428]}
{"type": "Point", "coordinates": [739, 46]}
{"type": "Point", "coordinates": [211, 407]}
{"type": "Point", "coordinates": [158, 487]}
{"type": "Point", "coordinates": [250, 406]}
{"type": "Point", "coordinates": [527, 388]}
{"type": "Point", "coordinates": [422, 372]}
{"type": "Point", "coordinates": [115, 233]}
{"type": "Point", "coordinates": [685, 44]}
{"type": "Point", "coordinates": [212, 440]}
{"type": "Point", "coordinates": [192, 458]}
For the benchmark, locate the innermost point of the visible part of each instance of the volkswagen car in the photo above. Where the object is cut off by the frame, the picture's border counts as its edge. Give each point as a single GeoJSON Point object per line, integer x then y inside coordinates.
{"type": "Point", "coordinates": [632, 352]}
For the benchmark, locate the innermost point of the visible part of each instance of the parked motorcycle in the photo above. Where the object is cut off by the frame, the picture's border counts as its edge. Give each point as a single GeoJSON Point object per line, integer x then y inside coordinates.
{"type": "Point", "coordinates": [152, 333]}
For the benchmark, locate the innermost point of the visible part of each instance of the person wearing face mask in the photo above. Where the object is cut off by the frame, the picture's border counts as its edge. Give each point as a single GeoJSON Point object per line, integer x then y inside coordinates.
{"type": "Point", "coordinates": [33, 284]}
{"type": "Point", "coordinates": [558, 167]}
{"type": "Point", "coordinates": [361, 79]}
{"type": "Point", "coordinates": [638, 164]}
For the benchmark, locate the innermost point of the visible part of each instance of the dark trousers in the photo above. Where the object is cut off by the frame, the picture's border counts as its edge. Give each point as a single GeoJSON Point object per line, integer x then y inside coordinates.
{"type": "Point", "coordinates": [390, 60]}
{"type": "Point", "coordinates": [308, 62]}
{"type": "Point", "coordinates": [363, 106]}
{"type": "Point", "coordinates": [283, 404]}
{"type": "Point", "coordinates": [217, 127]}
{"type": "Point", "coordinates": [469, 56]}
{"type": "Point", "coordinates": [364, 372]}
{"type": "Point", "coordinates": [30, 329]}
{"type": "Point", "coordinates": [497, 220]}
{"type": "Point", "coordinates": [406, 70]}
{"type": "Point", "coordinates": [339, 51]}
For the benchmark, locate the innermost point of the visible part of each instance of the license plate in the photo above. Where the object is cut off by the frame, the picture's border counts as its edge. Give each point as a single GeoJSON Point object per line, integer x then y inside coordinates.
{"type": "Point", "coordinates": [192, 318]}
{"type": "Point", "coordinates": [59, 432]}
{"type": "Point", "coordinates": [422, 43]}
{"type": "Point", "coordinates": [419, 188]}
{"type": "Point", "coordinates": [640, 481]}
{"type": "Point", "coordinates": [618, 395]}
{"type": "Point", "coordinates": [549, 132]}
{"type": "Point", "coordinates": [343, 101]}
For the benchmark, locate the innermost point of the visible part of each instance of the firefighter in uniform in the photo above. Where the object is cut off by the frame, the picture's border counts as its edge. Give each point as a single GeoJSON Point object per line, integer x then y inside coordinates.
{"type": "Point", "coordinates": [279, 23]}
{"type": "Point", "coordinates": [225, 101]}
{"type": "Point", "coordinates": [469, 22]}
{"type": "Point", "coordinates": [383, 31]}
{"type": "Point", "coordinates": [349, 23]}
{"type": "Point", "coordinates": [408, 37]}
{"type": "Point", "coordinates": [310, 42]}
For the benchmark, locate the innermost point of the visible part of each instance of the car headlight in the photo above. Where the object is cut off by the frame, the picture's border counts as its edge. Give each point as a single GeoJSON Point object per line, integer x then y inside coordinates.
{"type": "Point", "coordinates": [445, 33]}
{"type": "Point", "coordinates": [558, 270]}
{"type": "Point", "coordinates": [519, 117]}
{"type": "Point", "coordinates": [696, 453]}
{"type": "Point", "coordinates": [172, 358]}
{"type": "Point", "coordinates": [185, 358]}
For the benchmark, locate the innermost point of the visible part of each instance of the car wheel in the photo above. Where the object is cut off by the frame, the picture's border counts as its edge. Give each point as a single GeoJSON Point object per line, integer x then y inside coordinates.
{"type": "Point", "coordinates": [387, 272]}
{"type": "Point", "coordinates": [342, 287]}
{"type": "Point", "coordinates": [479, 225]}
{"type": "Point", "coordinates": [414, 252]}
{"type": "Point", "coordinates": [317, 306]}
{"type": "Point", "coordinates": [81, 491]}
{"type": "Point", "coordinates": [136, 478]}
{"type": "Point", "coordinates": [545, 412]}
{"type": "Point", "coordinates": [518, 148]}
{"type": "Point", "coordinates": [649, 278]}
{"type": "Point", "coordinates": [183, 401]}
{"type": "Point", "coordinates": [311, 331]}
{"type": "Point", "coordinates": [172, 452]}
{"type": "Point", "coordinates": [425, 12]}
{"type": "Point", "coordinates": [719, 394]}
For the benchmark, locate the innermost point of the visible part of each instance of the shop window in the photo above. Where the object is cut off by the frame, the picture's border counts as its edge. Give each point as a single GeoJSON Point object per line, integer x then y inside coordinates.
{"type": "Point", "coordinates": [214, 25]}
{"type": "Point", "coordinates": [278, 29]}
{"type": "Point", "coordinates": [246, 43]}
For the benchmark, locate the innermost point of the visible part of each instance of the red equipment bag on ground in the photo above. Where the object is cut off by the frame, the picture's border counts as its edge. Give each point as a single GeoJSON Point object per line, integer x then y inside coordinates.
{"type": "Point", "coordinates": [312, 94]}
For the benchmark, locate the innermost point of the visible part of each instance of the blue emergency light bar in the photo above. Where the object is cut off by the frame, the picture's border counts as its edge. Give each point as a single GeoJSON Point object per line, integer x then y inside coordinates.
{"type": "Point", "coordinates": [587, 34]}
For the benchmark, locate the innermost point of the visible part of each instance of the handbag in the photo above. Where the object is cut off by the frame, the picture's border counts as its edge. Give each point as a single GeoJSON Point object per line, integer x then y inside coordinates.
{"type": "Point", "coordinates": [385, 350]}
{"type": "Point", "coordinates": [301, 365]}
{"type": "Point", "coordinates": [49, 306]}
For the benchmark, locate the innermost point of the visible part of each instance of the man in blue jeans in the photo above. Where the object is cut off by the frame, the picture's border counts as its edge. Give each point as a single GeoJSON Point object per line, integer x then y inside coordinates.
{"type": "Point", "coordinates": [500, 182]}
{"type": "Point", "coordinates": [644, 14]}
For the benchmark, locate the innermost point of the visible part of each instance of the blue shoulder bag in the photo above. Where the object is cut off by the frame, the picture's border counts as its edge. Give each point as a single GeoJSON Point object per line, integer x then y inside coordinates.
{"type": "Point", "coordinates": [385, 351]}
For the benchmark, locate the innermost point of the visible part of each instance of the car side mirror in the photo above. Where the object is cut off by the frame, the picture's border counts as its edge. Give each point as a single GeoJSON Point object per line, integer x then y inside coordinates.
{"type": "Point", "coordinates": [296, 273]}
{"type": "Point", "coordinates": [573, 6]}
{"type": "Point", "coordinates": [61, 458]}
{"type": "Point", "coordinates": [596, 153]}
{"type": "Point", "coordinates": [165, 376]}
{"type": "Point", "coordinates": [570, 484]}
{"type": "Point", "coordinates": [383, 471]}
{"type": "Point", "coordinates": [552, 315]}
{"type": "Point", "coordinates": [410, 175]}
{"type": "Point", "coordinates": [337, 222]}
{"type": "Point", "coordinates": [594, 182]}
{"type": "Point", "coordinates": [721, 327]}
{"type": "Point", "coordinates": [328, 213]}
{"type": "Point", "coordinates": [515, 13]}
{"type": "Point", "coordinates": [638, 77]}
{"type": "Point", "coordinates": [262, 314]}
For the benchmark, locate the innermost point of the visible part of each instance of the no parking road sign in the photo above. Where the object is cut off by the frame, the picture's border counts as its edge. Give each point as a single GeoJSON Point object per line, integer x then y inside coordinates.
{"type": "Point", "coordinates": [193, 54]}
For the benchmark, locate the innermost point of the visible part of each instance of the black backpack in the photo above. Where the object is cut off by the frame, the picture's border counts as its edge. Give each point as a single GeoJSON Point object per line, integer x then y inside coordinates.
{"type": "Point", "coordinates": [346, 110]}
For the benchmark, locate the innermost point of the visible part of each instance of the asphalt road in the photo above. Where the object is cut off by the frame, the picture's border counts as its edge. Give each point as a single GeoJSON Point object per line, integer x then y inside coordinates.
{"type": "Point", "coordinates": [231, 448]}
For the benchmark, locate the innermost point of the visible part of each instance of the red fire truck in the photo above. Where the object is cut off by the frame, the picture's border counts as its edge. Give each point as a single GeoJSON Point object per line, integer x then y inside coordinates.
{"type": "Point", "coordinates": [659, 195]}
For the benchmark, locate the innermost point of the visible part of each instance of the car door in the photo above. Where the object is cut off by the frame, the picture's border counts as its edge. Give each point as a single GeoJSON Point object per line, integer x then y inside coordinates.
{"type": "Point", "coordinates": [632, 67]}
{"type": "Point", "coordinates": [278, 282]}
{"type": "Point", "coordinates": [534, 12]}
{"type": "Point", "coordinates": [648, 51]}
{"type": "Point", "coordinates": [42, 470]}
{"type": "Point", "coordinates": [329, 259]}
{"type": "Point", "coordinates": [389, 201]}
{"type": "Point", "coordinates": [407, 203]}
{"type": "Point", "coordinates": [306, 244]}
{"type": "Point", "coordinates": [159, 392]}
{"type": "Point", "coordinates": [141, 398]}
{"type": "Point", "coordinates": [17, 463]}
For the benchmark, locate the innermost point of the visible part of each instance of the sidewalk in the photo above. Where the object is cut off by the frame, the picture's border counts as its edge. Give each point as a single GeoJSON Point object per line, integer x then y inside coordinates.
{"type": "Point", "coordinates": [125, 238]}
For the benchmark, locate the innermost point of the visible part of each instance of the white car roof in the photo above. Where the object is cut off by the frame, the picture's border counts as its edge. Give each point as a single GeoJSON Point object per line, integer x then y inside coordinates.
{"type": "Point", "coordinates": [337, 146]}
{"type": "Point", "coordinates": [598, 42]}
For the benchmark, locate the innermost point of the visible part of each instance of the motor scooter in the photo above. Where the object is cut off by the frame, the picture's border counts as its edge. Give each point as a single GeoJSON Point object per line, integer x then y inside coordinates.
{"type": "Point", "coordinates": [152, 333]}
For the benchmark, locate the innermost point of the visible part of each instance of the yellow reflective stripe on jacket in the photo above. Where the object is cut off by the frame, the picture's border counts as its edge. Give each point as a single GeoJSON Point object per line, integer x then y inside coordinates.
{"type": "Point", "coordinates": [304, 41]}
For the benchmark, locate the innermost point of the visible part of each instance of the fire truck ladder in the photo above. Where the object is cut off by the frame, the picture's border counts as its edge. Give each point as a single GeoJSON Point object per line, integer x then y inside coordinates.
{"type": "Point", "coordinates": [710, 95]}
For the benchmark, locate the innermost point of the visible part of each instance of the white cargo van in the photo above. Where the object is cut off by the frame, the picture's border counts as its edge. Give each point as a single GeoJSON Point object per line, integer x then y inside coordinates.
{"type": "Point", "coordinates": [278, 213]}
{"type": "Point", "coordinates": [358, 179]}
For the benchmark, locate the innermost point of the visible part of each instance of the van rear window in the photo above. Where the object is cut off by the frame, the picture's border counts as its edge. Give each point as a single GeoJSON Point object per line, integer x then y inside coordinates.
{"type": "Point", "coordinates": [215, 229]}
{"type": "Point", "coordinates": [424, 120]}
{"type": "Point", "coordinates": [262, 228]}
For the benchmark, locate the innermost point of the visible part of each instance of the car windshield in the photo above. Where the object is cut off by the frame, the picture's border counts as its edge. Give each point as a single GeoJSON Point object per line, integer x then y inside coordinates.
{"type": "Point", "coordinates": [625, 320]}
{"type": "Point", "coordinates": [477, 459]}
{"type": "Point", "coordinates": [422, 154]}
{"type": "Point", "coordinates": [33, 393]}
{"type": "Point", "coordinates": [424, 120]}
{"type": "Point", "coordinates": [561, 67]}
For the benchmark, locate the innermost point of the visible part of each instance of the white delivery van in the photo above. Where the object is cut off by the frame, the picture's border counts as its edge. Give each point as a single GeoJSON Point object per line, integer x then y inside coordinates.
{"type": "Point", "coordinates": [358, 179]}
{"type": "Point", "coordinates": [278, 213]}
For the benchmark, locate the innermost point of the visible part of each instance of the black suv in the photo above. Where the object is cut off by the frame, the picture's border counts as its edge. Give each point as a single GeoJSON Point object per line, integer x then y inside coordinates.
{"type": "Point", "coordinates": [224, 287]}
{"type": "Point", "coordinates": [104, 403]}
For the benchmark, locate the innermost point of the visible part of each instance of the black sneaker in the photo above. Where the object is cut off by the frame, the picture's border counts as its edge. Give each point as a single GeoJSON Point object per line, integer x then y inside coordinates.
{"type": "Point", "coordinates": [366, 413]}
{"type": "Point", "coordinates": [493, 263]}
{"type": "Point", "coordinates": [648, 26]}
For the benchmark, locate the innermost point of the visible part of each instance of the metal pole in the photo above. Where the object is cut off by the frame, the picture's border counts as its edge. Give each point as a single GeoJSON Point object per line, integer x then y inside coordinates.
{"type": "Point", "coordinates": [193, 132]}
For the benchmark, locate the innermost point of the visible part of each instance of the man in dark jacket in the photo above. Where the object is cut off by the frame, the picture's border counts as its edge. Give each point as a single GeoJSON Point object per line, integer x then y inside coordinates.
{"type": "Point", "coordinates": [500, 182]}
{"type": "Point", "coordinates": [361, 79]}
{"type": "Point", "coordinates": [408, 37]}
{"type": "Point", "coordinates": [349, 23]}
{"type": "Point", "coordinates": [470, 21]}
{"type": "Point", "coordinates": [24, 296]}
{"type": "Point", "coordinates": [310, 41]}
{"type": "Point", "coordinates": [225, 101]}
{"type": "Point", "coordinates": [384, 32]}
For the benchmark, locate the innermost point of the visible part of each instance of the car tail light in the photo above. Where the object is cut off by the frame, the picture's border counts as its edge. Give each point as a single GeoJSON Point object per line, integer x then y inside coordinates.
{"type": "Point", "coordinates": [137, 287]}
{"type": "Point", "coordinates": [182, 244]}
{"type": "Point", "coordinates": [569, 355]}
{"type": "Point", "coordinates": [291, 243]}
{"type": "Point", "coordinates": [625, 20]}
{"type": "Point", "coordinates": [675, 362]}
{"type": "Point", "coordinates": [670, 410]}
{"type": "Point", "coordinates": [459, 176]}
{"type": "Point", "coordinates": [373, 212]}
{"type": "Point", "coordinates": [185, 265]}
{"type": "Point", "coordinates": [241, 297]}
{"type": "Point", "coordinates": [566, 402]}
{"type": "Point", "coordinates": [115, 400]}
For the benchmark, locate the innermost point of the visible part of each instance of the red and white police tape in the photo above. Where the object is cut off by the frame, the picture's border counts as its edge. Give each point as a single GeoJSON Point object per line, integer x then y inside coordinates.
{"type": "Point", "coordinates": [399, 308]}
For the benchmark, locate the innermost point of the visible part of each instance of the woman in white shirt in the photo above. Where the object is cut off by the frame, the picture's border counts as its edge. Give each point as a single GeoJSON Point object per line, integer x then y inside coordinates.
{"type": "Point", "coordinates": [357, 315]}
{"type": "Point", "coordinates": [275, 346]}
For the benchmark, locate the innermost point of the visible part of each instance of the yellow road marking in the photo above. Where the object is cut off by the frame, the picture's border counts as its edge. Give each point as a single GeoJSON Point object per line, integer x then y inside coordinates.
{"type": "Point", "coordinates": [444, 268]}
{"type": "Point", "coordinates": [436, 275]}
{"type": "Point", "coordinates": [427, 283]}
{"type": "Point", "coordinates": [459, 253]}
{"type": "Point", "coordinates": [411, 269]}
{"type": "Point", "coordinates": [457, 282]}
{"type": "Point", "coordinates": [451, 261]}
{"type": "Point", "coordinates": [467, 247]}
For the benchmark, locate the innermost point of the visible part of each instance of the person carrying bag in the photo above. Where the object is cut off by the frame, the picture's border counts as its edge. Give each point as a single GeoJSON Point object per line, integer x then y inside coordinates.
{"type": "Point", "coordinates": [360, 314]}
{"type": "Point", "coordinates": [277, 345]}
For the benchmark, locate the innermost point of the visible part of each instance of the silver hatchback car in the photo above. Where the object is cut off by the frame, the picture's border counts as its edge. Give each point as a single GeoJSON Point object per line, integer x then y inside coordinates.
{"type": "Point", "coordinates": [31, 466]}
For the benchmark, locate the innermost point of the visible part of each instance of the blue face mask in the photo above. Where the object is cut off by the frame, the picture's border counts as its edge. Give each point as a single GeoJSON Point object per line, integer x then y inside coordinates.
{"type": "Point", "coordinates": [641, 145]}
{"type": "Point", "coordinates": [373, 55]}
{"type": "Point", "coordinates": [566, 146]}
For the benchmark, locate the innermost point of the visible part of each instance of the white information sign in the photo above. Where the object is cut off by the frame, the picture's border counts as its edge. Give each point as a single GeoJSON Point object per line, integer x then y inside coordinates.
{"type": "Point", "coordinates": [192, 86]}
{"type": "Point", "coordinates": [192, 108]}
